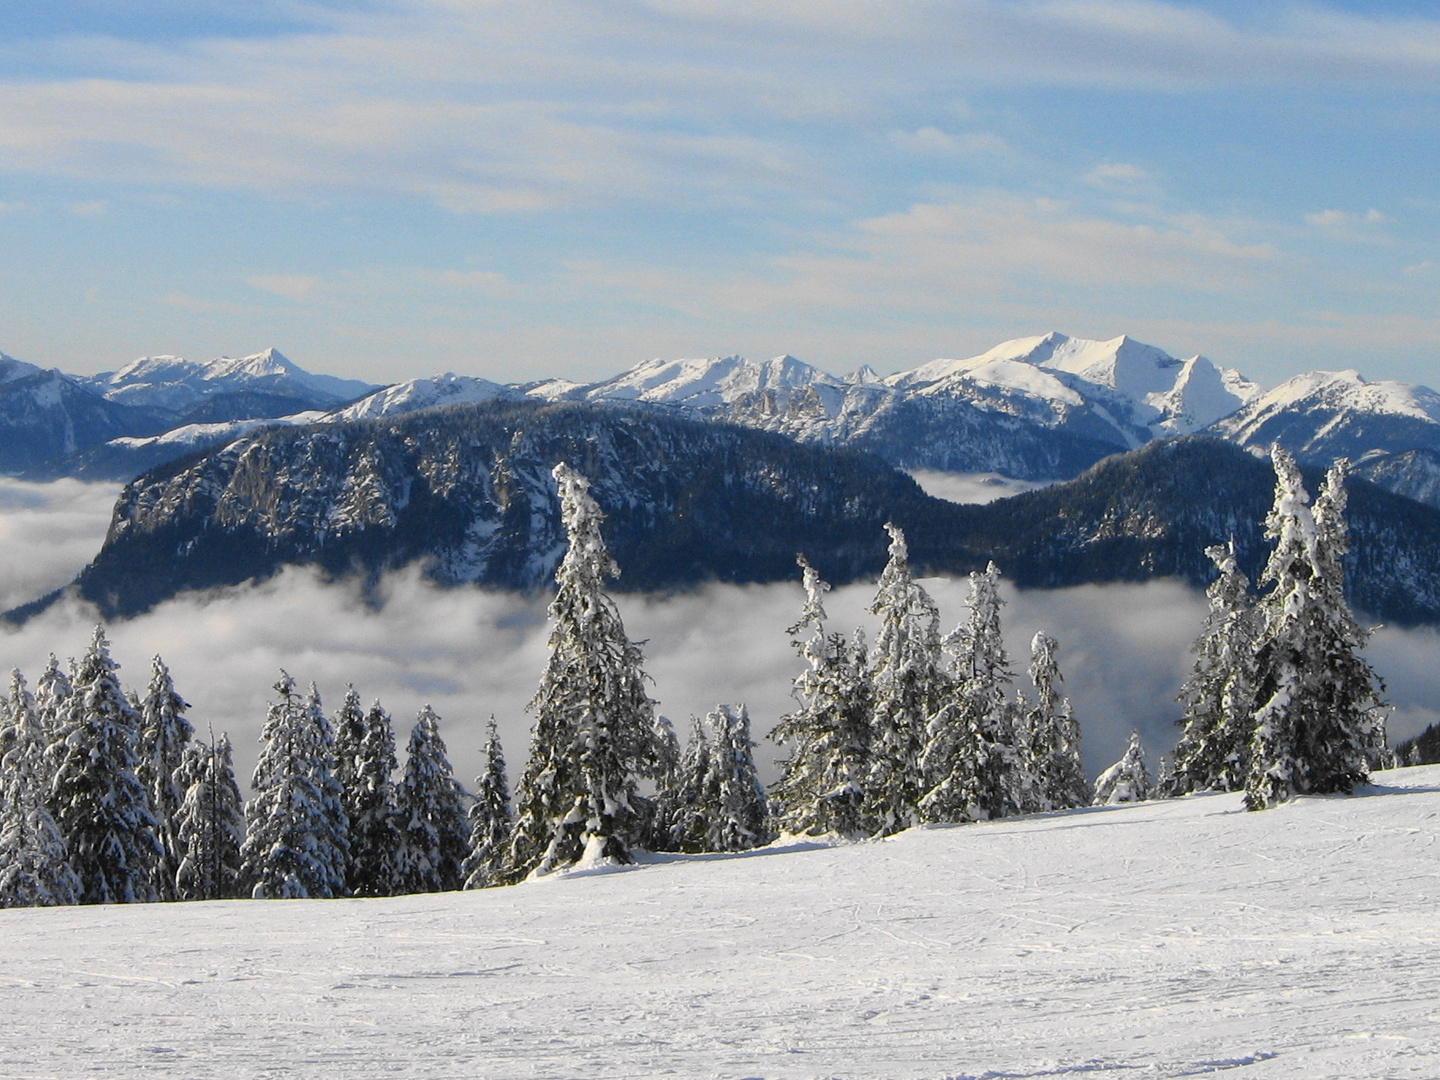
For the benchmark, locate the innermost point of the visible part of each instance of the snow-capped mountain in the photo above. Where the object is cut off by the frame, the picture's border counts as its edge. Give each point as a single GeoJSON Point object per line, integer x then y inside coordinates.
{"type": "Point", "coordinates": [1037, 407]}
{"type": "Point", "coordinates": [415, 394]}
{"type": "Point", "coordinates": [178, 385]}
{"type": "Point", "coordinates": [1119, 390]}
{"type": "Point", "coordinates": [1323, 415]}
{"type": "Point", "coordinates": [12, 369]}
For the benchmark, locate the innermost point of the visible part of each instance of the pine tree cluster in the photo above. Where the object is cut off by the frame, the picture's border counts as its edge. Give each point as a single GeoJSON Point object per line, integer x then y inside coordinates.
{"type": "Point", "coordinates": [108, 797]}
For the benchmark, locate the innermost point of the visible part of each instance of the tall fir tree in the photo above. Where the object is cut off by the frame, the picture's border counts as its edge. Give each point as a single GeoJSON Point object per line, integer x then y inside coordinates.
{"type": "Point", "coordinates": [594, 722]}
{"type": "Point", "coordinates": [1128, 780]}
{"type": "Point", "coordinates": [34, 860]}
{"type": "Point", "coordinates": [295, 825]}
{"type": "Point", "coordinates": [735, 798]}
{"type": "Point", "coordinates": [971, 766]}
{"type": "Point", "coordinates": [1219, 696]}
{"type": "Point", "coordinates": [210, 824]}
{"type": "Point", "coordinates": [96, 798]}
{"type": "Point", "coordinates": [1052, 734]}
{"type": "Point", "coordinates": [681, 822]}
{"type": "Point", "coordinates": [52, 693]}
{"type": "Point", "coordinates": [366, 767]}
{"type": "Point", "coordinates": [656, 811]}
{"type": "Point", "coordinates": [489, 817]}
{"type": "Point", "coordinates": [907, 688]}
{"type": "Point", "coordinates": [434, 831]}
{"type": "Point", "coordinates": [1318, 701]}
{"type": "Point", "coordinates": [821, 786]}
{"type": "Point", "coordinates": [164, 734]}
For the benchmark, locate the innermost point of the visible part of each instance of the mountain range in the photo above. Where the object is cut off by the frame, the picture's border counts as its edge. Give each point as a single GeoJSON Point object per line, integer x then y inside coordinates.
{"type": "Point", "coordinates": [1038, 408]}
{"type": "Point", "coordinates": [255, 462]}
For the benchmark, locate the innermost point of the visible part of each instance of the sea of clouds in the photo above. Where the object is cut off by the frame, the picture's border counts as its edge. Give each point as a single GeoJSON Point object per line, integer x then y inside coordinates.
{"type": "Point", "coordinates": [469, 652]}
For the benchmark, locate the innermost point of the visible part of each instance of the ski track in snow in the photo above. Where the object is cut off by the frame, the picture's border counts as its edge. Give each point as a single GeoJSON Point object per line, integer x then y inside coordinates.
{"type": "Point", "coordinates": [1170, 939]}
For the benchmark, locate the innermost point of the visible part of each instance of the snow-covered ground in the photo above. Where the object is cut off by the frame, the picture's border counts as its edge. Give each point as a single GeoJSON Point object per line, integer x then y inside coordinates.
{"type": "Point", "coordinates": [1168, 939]}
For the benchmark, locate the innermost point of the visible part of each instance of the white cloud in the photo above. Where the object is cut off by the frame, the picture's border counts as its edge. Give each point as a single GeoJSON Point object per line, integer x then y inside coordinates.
{"type": "Point", "coordinates": [470, 653]}
{"type": "Point", "coordinates": [48, 532]}
{"type": "Point", "coordinates": [290, 286]}
{"type": "Point", "coordinates": [506, 107]}
{"type": "Point", "coordinates": [1118, 176]}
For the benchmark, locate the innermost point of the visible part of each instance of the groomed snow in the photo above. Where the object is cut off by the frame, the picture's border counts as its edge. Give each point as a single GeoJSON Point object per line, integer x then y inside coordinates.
{"type": "Point", "coordinates": [1167, 939]}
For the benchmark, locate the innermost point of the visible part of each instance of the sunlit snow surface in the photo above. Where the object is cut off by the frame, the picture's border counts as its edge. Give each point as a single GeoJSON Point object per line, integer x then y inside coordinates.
{"type": "Point", "coordinates": [1168, 939]}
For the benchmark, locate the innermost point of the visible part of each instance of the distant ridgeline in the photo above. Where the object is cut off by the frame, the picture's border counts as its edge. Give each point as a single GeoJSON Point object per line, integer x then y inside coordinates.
{"type": "Point", "coordinates": [467, 490]}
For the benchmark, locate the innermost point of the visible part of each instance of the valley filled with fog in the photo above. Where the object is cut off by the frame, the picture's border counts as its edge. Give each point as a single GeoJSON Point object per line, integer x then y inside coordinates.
{"type": "Point", "coordinates": [1124, 649]}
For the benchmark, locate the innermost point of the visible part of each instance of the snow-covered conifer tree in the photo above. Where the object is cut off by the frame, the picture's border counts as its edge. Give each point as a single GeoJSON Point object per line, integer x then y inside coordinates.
{"type": "Point", "coordinates": [736, 811]}
{"type": "Point", "coordinates": [594, 726]}
{"type": "Point", "coordinates": [52, 692]}
{"type": "Point", "coordinates": [34, 861]}
{"type": "Point", "coordinates": [1318, 701]}
{"type": "Point", "coordinates": [821, 786]}
{"type": "Point", "coordinates": [294, 841]}
{"type": "Point", "coordinates": [365, 765]}
{"type": "Point", "coordinates": [1128, 780]}
{"type": "Point", "coordinates": [907, 688]}
{"type": "Point", "coordinates": [681, 823]}
{"type": "Point", "coordinates": [972, 768]}
{"type": "Point", "coordinates": [95, 797]}
{"type": "Point", "coordinates": [1219, 696]}
{"type": "Point", "coordinates": [489, 817]}
{"type": "Point", "coordinates": [655, 828]}
{"type": "Point", "coordinates": [210, 824]}
{"type": "Point", "coordinates": [1052, 734]}
{"type": "Point", "coordinates": [435, 834]}
{"type": "Point", "coordinates": [164, 733]}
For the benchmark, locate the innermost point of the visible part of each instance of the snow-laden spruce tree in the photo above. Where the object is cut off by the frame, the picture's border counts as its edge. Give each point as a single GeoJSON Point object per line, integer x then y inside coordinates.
{"type": "Point", "coordinates": [34, 860]}
{"type": "Point", "coordinates": [594, 722]}
{"type": "Point", "coordinates": [1052, 734]}
{"type": "Point", "coordinates": [210, 824]}
{"type": "Point", "coordinates": [1318, 704]}
{"type": "Point", "coordinates": [1219, 697]}
{"type": "Point", "coordinates": [736, 811]}
{"type": "Point", "coordinates": [656, 812]}
{"type": "Point", "coordinates": [907, 685]}
{"type": "Point", "coordinates": [1128, 780]}
{"type": "Point", "coordinates": [972, 768]}
{"type": "Point", "coordinates": [489, 817]}
{"type": "Point", "coordinates": [52, 692]}
{"type": "Point", "coordinates": [821, 785]}
{"type": "Point", "coordinates": [164, 734]}
{"type": "Point", "coordinates": [681, 822]}
{"type": "Point", "coordinates": [96, 798]}
{"type": "Point", "coordinates": [295, 825]}
{"type": "Point", "coordinates": [434, 830]}
{"type": "Point", "coordinates": [365, 766]}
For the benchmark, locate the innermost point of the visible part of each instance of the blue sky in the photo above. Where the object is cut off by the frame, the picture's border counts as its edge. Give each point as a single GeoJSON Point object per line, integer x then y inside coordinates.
{"type": "Point", "coordinates": [514, 190]}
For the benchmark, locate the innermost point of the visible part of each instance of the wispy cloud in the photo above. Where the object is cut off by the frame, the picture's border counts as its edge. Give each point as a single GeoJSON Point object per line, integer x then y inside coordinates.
{"type": "Point", "coordinates": [290, 286]}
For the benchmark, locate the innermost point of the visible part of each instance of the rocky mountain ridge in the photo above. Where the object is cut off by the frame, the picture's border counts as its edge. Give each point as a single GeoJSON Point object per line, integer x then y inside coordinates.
{"type": "Point", "coordinates": [466, 490]}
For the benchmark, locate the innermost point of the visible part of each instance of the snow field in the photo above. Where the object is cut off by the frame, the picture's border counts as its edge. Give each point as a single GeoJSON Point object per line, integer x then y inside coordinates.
{"type": "Point", "coordinates": [1163, 939]}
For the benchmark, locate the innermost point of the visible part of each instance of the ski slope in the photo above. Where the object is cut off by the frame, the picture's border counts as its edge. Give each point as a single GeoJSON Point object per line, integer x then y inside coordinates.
{"type": "Point", "coordinates": [1168, 939]}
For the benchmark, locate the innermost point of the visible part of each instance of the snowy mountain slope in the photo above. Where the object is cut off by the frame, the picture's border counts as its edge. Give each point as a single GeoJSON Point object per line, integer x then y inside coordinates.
{"type": "Point", "coordinates": [47, 415]}
{"type": "Point", "coordinates": [1119, 390]}
{"type": "Point", "coordinates": [176, 384]}
{"type": "Point", "coordinates": [1322, 415]}
{"type": "Point", "coordinates": [12, 369]}
{"type": "Point", "coordinates": [1414, 474]}
{"type": "Point", "coordinates": [415, 394]}
{"type": "Point", "coordinates": [1168, 939]}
